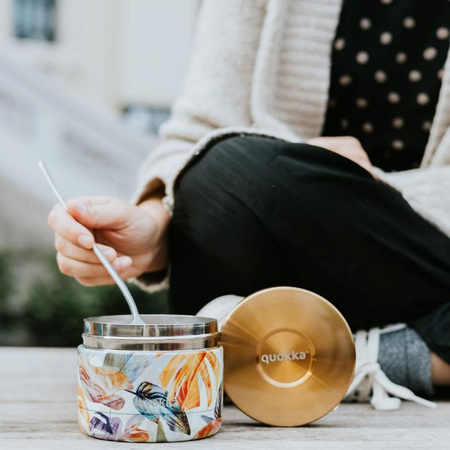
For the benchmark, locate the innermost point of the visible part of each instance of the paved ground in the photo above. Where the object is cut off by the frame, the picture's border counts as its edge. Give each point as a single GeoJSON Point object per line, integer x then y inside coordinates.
{"type": "Point", "coordinates": [38, 411]}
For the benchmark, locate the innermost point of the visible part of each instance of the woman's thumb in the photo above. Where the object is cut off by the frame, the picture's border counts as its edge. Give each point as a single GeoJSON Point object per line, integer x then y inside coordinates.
{"type": "Point", "coordinates": [99, 212]}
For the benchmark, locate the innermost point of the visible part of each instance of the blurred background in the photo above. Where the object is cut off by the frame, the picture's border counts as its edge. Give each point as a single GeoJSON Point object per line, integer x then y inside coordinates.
{"type": "Point", "coordinates": [84, 85]}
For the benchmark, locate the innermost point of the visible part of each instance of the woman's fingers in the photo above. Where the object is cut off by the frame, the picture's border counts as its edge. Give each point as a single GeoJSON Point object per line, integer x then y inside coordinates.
{"type": "Point", "coordinates": [75, 268]}
{"type": "Point", "coordinates": [66, 226]}
{"type": "Point", "coordinates": [95, 281]}
{"type": "Point", "coordinates": [105, 280]}
{"type": "Point", "coordinates": [81, 254]}
{"type": "Point", "coordinates": [100, 212]}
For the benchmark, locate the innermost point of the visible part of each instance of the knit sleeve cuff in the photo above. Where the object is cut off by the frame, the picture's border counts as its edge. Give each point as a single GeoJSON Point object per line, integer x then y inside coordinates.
{"type": "Point", "coordinates": [152, 281]}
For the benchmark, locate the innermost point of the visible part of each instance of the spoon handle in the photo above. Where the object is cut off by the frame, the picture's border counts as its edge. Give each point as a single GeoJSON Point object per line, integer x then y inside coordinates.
{"type": "Point", "coordinates": [108, 266]}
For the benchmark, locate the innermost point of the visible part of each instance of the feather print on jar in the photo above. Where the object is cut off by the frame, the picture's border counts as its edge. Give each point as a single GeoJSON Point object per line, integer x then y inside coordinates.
{"type": "Point", "coordinates": [153, 404]}
{"type": "Point", "coordinates": [213, 424]}
{"type": "Point", "coordinates": [181, 378]}
{"type": "Point", "coordinates": [112, 429]}
{"type": "Point", "coordinates": [102, 384]}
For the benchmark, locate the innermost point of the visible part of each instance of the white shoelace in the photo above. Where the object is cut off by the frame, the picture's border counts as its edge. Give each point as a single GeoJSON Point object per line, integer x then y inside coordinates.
{"type": "Point", "coordinates": [370, 378]}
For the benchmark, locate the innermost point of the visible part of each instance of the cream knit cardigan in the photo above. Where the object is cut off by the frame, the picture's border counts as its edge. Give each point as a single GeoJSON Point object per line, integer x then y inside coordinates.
{"type": "Point", "coordinates": [263, 66]}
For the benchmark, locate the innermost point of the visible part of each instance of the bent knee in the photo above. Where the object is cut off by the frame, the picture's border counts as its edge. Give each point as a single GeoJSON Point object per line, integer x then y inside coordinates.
{"type": "Point", "coordinates": [226, 163]}
{"type": "Point", "coordinates": [249, 168]}
{"type": "Point", "coordinates": [217, 185]}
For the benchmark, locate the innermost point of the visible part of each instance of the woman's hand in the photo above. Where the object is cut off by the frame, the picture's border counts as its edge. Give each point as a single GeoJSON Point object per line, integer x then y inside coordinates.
{"type": "Point", "coordinates": [347, 146]}
{"type": "Point", "coordinates": [133, 238]}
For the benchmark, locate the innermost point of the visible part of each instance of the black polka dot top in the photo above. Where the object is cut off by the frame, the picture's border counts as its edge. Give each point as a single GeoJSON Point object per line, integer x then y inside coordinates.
{"type": "Point", "coordinates": [386, 71]}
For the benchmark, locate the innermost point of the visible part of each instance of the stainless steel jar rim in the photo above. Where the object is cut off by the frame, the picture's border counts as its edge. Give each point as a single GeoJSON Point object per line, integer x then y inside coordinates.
{"type": "Point", "coordinates": [161, 332]}
{"type": "Point", "coordinates": [201, 342]}
{"type": "Point", "coordinates": [156, 325]}
{"type": "Point", "coordinates": [157, 339]}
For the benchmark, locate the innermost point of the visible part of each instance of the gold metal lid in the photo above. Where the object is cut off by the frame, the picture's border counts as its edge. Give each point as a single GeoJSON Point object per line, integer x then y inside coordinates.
{"type": "Point", "coordinates": [289, 356]}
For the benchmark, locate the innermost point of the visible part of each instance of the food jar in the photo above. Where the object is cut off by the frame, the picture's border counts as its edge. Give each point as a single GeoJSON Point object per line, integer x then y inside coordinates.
{"type": "Point", "coordinates": [158, 382]}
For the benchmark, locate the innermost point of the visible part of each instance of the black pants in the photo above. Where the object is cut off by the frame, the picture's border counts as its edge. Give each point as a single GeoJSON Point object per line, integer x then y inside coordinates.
{"type": "Point", "coordinates": [254, 212]}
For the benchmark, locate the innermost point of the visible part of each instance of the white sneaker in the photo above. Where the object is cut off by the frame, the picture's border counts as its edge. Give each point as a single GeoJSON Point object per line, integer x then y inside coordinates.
{"type": "Point", "coordinates": [370, 379]}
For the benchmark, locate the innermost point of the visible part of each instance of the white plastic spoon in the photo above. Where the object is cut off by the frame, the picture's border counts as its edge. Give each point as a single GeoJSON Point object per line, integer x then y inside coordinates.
{"type": "Point", "coordinates": [115, 276]}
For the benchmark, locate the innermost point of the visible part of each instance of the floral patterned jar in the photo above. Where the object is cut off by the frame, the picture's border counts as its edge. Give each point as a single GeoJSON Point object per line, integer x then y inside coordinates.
{"type": "Point", "coordinates": [158, 382]}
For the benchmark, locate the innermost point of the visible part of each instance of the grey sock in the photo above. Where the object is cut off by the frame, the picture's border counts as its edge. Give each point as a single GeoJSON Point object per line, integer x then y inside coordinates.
{"type": "Point", "coordinates": [405, 359]}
